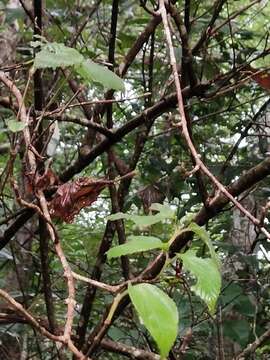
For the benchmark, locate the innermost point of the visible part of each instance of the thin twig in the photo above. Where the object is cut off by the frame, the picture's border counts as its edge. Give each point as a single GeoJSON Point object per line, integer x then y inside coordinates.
{"type": "Point", "coordinates": [112, 289]}
{"type": "Point", "coordinates": [184, 126]}
{"type": "Point", "coordinates": [44, 212]}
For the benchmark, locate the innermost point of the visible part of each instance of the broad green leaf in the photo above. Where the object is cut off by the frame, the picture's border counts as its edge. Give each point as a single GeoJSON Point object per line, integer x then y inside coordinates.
{"type": "Point", "coordinates": [91, 71]}
{"type": "Point", "coordinates": [15, 125]}
{"type": "Point", "coordinates": [165, 212]}
{"type": "Point", "coordinates": [140, 220]}
{"type": "Point", "coordinates": [145, 238]}
{"type": "Point", "coordinates": [208, 277]}
{"type": "Point", "coordinates": [158, 313]}
{"type": "Point", "coordinates": [204, 236]}
{"type": "Point", "coordinates": [118, 216]}
{"type": "Point", "coordinates": [146, 220]}
{"type": "Point", "coordinates": [137, 244]}
{"type": "Point", "coordinates": [53, 55]}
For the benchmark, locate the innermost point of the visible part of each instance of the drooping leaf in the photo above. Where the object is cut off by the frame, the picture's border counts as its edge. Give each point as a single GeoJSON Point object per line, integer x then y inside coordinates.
{"type": "Point", "coordinates": [158, 313]}
{"type": "Point", "coordinates": [15, 125]}
{"type": "Point", "coordinates": [71, 197]}
{"type": "Point", "coordinates": [53, 55]}
{"type": "Point", "coordinates": [164, 213]}
{"type": "Point", "coordinates": [136, 244]}
{"type": "Point", "coordinates": [208, 276]}
{"type": "Point", "coordinates": [91, 71]}
{"type": "Point", "coordinates": [204, 236]}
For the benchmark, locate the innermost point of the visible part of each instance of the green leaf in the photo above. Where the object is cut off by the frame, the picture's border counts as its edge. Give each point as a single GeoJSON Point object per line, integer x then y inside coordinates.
{"type": "Point", "coordinates": [53, 55]}
{"type": "Point", "coordinates": [15, 125]}
{"type": "Point", "coordinates": [204, 236]}
{"type": "Point", "coordinates": [118, 216]}
{"type": "Point", "coordinates": [208, 277]}
{"type": "Point", "coordinates": [91, 71]}
{"type": "Point", "coordinates": [165, 212]}
{"type": "Point", "coordinates": [237, 330]}
{"type": "Point", "coordinates": [158, 313]}
{"type": "Point", "coordinates": [137, 244]}
{"type": "Point", "coordinates": [146, 220]}
{"type": "Point", "coordinates": [140, 220]}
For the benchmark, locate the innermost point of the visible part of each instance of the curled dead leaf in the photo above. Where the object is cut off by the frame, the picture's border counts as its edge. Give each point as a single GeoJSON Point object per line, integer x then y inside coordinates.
{"type": "Point", "coordinates": [46, 180]}
{"type": "Point", "coordinates": [71, 197]}
{"type": "Point", "coordinates": [262, 77]}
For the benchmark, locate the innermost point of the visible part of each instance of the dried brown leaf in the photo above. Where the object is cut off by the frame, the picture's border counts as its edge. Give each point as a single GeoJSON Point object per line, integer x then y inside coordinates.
{"type": "Point", "coordinates": [262, 77]}
{"type": "Point", "coordinates": [71, 197]}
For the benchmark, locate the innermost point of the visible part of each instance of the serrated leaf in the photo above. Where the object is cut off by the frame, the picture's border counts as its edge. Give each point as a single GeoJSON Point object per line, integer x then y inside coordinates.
{"type": "Point", "coordinates": [91, 71]}
{"type": "Point", "coordinates": [158, 313]}
{"type": "Point", "coordinates": [136, 244]}
{"type": "Point", "coordinates": [15, 125]}
{"type": "Point", "coordinates": [55, 55]}
{"type": "Point", "coordinates": [208, 277]}
{"type": "Point", "coordinates": [204, 236]}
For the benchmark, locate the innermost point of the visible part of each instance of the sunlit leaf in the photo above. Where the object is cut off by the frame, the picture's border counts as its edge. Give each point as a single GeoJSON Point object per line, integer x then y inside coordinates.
{"type": "Point", "coordinates": [158, 313]}
{"type": "Point", "coordinates": [140, 220]}
{"type": "Point", "coordinates": [165, 212]}
{"type": "Point", "coordinates": [146, 220]}
{"type": "Point", "coordinates": [136, 244]}
{"type": "Point", "coordinates": [208, 277]}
